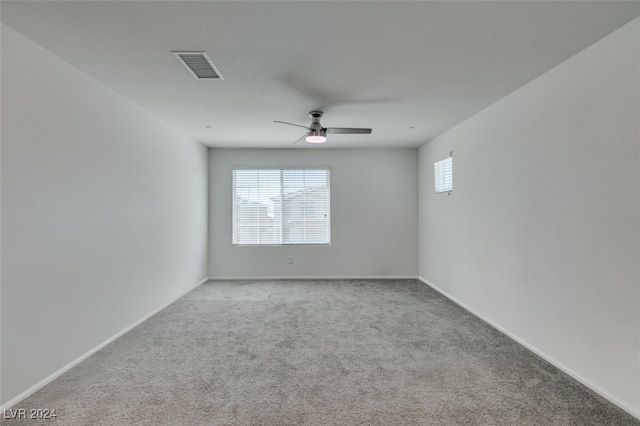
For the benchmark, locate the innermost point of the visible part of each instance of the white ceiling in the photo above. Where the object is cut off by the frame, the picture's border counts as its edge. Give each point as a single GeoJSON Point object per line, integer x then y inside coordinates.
{"type": "Point", "coordinates": [388, 65]}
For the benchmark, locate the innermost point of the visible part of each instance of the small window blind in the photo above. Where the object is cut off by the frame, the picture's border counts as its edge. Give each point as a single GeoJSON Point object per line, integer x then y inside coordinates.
{"type": "Point", "coordinates": [443, 172]}
{"type": "Point", "coordinates": [281, 206]}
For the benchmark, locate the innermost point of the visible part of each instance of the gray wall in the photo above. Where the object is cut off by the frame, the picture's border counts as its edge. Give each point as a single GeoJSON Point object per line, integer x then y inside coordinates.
{"type": "Point", "coordinates": [103, 214]}
{"type": "Point", "coordinates": [541, 233]}
{"type": "Point", "coordinates": [374, 216]}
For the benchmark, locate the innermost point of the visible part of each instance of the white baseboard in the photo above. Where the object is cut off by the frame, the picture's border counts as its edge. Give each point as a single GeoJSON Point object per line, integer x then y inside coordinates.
{"type": "Point", "coordinates": [322, 277]}
{"type": "Point", "coordinates": [58, 373]}
{"type": "Point", "coordinates": [602, 392]}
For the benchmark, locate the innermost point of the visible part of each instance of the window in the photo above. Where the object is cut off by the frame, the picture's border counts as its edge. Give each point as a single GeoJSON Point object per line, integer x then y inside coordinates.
{"type": "Point", "coordinates": [443, 172]}
{"type": "Point", "coordinates": [273, 206]}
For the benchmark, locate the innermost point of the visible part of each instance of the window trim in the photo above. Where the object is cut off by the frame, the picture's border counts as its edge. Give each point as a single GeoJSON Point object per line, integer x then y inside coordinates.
{"type": "Point", "coordinates": [281, 168]}
{"type": "Point", "coordinates": [436, 175]}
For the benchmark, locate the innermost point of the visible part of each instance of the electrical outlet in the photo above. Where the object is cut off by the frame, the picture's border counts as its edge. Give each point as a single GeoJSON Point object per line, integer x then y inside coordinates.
{"type": "Point", "coordinates": [290, 260]}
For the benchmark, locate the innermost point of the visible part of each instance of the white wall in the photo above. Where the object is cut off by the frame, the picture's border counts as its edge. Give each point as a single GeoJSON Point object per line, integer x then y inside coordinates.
{"type": "Point", "coordinates": [103, 214]}
{"type": "Point", "coordinates": [541, 233]}
{"type": "Point", "coordinates": [367, 238]}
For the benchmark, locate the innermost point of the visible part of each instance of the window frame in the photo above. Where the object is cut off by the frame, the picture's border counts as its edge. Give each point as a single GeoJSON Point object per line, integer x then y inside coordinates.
{"type": "Point", "coordinates": [281, 169]}
{"type": "Point", "coordinates": [438, 165]}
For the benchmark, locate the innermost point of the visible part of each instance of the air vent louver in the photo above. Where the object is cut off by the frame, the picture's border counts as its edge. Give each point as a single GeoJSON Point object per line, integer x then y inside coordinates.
{"type": "Point", "coordinates": [199, 64]}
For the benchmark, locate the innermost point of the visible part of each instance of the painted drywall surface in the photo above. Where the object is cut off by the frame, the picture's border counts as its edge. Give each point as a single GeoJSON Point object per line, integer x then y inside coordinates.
{"type": "Point", "coordinates": [374, 218]}
{"type": "Point", "coordinates": [103, 213]}
{"type": "Point", "coordinates": [541, 233]}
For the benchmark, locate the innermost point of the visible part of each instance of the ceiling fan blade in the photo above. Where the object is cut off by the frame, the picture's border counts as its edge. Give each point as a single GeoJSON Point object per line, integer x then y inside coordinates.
{"type": "Point", "coordinates": [301, 138]}
{"type": "Point", "coordinates": [292, 124]}
{"type": "Point", "coordinates": [346, 130]}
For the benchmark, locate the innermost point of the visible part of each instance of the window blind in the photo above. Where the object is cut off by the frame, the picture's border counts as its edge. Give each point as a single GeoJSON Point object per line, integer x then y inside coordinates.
{"type": "Point", "coordinates": [281, 206]}
{"type": "Point", "coordinates": [443, 171]}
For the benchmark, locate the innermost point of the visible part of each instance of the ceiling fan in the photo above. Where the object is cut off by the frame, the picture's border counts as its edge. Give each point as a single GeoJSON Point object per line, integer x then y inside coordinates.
{"type": "Point", "coordinates": [318, 134]}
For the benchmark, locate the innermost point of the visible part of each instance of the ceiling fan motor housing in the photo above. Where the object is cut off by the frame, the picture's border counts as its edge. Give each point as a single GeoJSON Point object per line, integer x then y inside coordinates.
{"type": "Point", "coordinates": [315, 121]}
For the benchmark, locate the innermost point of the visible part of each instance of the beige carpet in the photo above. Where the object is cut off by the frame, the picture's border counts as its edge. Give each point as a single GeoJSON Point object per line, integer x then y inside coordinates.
{"type": "Point", "coordinates": [357, 352]}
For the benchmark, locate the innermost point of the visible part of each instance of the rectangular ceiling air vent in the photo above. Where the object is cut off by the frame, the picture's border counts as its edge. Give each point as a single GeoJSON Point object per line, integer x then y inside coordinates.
{"type": "Point", "coordinates": [199, 64]}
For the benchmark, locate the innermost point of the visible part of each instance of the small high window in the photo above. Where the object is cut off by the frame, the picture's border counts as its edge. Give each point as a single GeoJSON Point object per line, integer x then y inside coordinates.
{"type": "Point", "coordinates": [443, 173]}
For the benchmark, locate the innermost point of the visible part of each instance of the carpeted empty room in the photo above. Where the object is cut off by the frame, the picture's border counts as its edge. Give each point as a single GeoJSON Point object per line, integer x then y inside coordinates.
{"type": "Point", "coordinates": [320, 213]}
{"type": "Point", "coordinates": [333, 352]}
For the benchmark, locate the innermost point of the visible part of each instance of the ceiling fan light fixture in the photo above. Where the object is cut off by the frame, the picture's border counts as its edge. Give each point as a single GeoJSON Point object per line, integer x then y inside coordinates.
{"type": "Point", "coordinates": [316, 137]}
